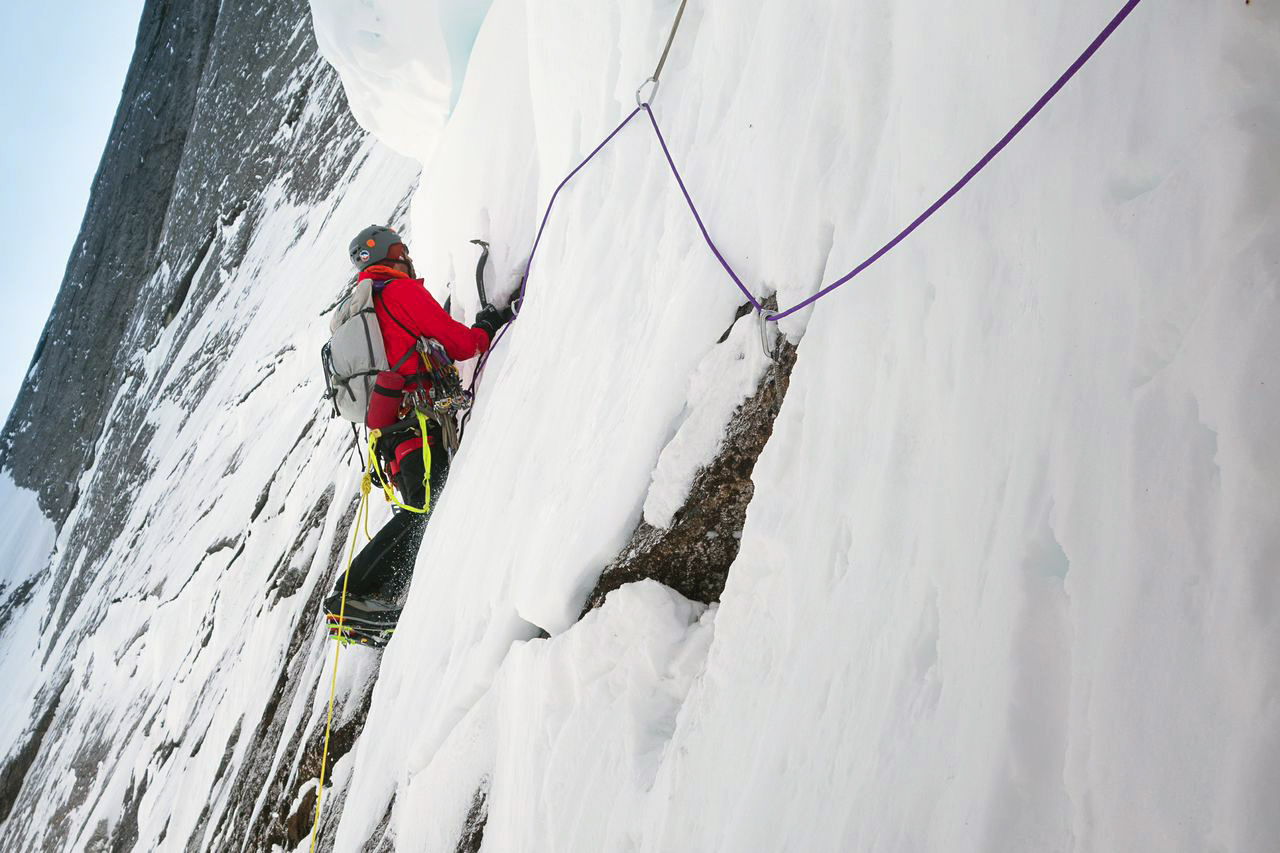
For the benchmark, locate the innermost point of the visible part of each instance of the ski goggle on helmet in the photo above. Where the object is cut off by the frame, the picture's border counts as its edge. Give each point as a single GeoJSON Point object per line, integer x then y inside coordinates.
{"type": "Point", "coordinates": [377, 243]}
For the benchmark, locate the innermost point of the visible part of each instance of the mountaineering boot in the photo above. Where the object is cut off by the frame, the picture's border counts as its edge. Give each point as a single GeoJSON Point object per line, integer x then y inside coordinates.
{"type": "Point", "coordinates": [349, 634]}
{"type": "Point", "coordinates": [365, 612]}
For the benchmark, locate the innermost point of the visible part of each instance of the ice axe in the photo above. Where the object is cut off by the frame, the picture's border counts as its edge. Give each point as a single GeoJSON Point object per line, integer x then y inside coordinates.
{"type": "Point", "coordinates": [484, 256]}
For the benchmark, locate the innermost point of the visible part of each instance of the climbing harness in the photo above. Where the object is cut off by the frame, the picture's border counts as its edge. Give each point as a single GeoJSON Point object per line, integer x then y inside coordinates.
{"type": "Point", "coordinates": [643, 105]}
{"type": "Point", "coordinates": [439, 394]}
{"type": "Point", "coordinates": [445, 393]}
{"type": "Point", "coordinates": [385, 484]}
{"type": "Point", "coordinates": [652, 79]}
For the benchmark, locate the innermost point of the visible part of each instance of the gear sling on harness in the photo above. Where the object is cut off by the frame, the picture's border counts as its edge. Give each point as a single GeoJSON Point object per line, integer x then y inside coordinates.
{"type": "Point", "coordinates": [384, 482]}
{"type": "Point", "coordinates": [437, 397]}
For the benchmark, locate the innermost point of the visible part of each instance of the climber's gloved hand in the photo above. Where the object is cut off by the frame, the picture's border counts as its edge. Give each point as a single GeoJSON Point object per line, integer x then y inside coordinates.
{"type": "Point", "coordinates": [491, 319]}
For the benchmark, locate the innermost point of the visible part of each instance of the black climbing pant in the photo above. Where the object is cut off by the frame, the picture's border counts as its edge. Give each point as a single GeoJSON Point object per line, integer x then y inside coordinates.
{"type": "Point", "coordinates": [384, 566]}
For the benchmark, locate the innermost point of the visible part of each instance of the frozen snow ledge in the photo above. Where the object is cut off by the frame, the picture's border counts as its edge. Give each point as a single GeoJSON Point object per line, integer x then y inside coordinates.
{"type": "Point", "coordinates": [401, 64]}
{"type": "Point", "coordinates": [26, 537]}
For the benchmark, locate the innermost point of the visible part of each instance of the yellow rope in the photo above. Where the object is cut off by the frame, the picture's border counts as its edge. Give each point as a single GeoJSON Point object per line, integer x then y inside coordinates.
{"type": "Point", "coordinates": [362, 512]}
{"type": "Point", "coordinates": [362, 520]}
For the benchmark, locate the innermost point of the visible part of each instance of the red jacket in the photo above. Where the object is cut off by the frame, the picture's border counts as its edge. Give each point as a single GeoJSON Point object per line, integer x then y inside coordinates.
{"type": "Point", "coordinates": [408, 302]}
{"type": "Point", "coordinates": [397, 300]}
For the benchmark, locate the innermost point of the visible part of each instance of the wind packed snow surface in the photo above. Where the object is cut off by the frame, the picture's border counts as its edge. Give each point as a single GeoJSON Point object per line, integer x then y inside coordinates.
{"type": "Point", "coordinates": [26, 540]}
{"type": "Point", "coordinates": [1008, 581]}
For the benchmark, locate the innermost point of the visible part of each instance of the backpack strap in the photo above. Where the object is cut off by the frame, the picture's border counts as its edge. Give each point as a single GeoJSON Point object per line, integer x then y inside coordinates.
{"type": "Point", "coordinates": [376, 289]}
{"type": "Point", "coordinates": [438, 377]}
{"type": "Point", "coordinates": [424, 378]}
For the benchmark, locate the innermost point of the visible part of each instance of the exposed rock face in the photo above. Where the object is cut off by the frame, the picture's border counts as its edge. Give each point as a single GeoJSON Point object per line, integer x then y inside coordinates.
{"type": "Point", "coordinates": [207, 119]}
{"type": "Point", "coordinates": [473, 829]}
{"type": "Point", "coordinates": [228, 117]}
{"type": "Point", "coordinates": [95, 319]}
{"type": "Point", "coordinates": [694, 554]}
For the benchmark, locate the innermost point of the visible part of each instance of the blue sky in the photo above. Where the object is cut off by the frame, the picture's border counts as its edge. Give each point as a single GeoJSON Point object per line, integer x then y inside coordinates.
{"type": "Point", "coordinates": [60, 83]}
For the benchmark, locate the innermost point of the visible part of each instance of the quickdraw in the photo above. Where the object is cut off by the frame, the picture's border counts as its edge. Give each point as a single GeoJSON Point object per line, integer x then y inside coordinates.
{"type": "Point", "coordinates": [446, 394]}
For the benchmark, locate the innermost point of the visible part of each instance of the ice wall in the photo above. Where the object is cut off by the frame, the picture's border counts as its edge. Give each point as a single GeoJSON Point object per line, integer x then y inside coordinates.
{"type": "Point", "coordinates": [1007, 581]}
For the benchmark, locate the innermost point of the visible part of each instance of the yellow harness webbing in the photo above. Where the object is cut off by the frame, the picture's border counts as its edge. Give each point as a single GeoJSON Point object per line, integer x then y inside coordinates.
{"type": "Point", "coordinates": [374, 466]}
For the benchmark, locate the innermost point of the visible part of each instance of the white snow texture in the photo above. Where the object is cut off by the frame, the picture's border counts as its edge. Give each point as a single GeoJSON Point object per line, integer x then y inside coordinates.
{"type": "Point", "coordinates": [1008, 581]}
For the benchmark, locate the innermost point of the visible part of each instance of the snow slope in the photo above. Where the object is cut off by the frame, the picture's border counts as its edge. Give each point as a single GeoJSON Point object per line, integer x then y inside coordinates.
{"type": "Point", "coordinates": [147, 646]}
{"type": "Point", "coordinates": [26, 542]}
{"type": "Point", "coordinates": [1008, 578]}
{"type": "Point", "coordinates": [174, 648]}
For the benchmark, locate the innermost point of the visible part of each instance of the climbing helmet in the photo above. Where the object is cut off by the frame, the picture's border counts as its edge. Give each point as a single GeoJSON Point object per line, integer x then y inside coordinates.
{"type": "Point", "coordinates": [377, 243]}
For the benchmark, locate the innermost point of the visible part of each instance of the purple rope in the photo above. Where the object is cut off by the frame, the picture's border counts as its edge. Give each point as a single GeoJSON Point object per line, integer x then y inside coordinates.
{"type": "Point", "coordinates": [879, 253]}
{"type": "Point", "coordinates": [524, 279]}
{"type": "Point", "coordinates": [977, 167]}
{"type": "Point", "coordinates": [694, 210]}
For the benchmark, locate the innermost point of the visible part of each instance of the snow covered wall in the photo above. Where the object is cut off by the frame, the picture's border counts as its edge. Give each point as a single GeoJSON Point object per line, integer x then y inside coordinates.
{"type": "Point", "coordinates": [1007, 580]}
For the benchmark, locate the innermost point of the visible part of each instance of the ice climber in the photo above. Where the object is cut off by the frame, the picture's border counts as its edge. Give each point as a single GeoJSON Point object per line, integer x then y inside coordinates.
{"type": "Point", "coordinates": [421, 342]}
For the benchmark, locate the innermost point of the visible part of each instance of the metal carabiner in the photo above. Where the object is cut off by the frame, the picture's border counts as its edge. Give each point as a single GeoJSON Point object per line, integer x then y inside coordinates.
{"type": "Point", "coordinates": [653, 93]}
{"type": "Point", "coordinates": [763, 324]}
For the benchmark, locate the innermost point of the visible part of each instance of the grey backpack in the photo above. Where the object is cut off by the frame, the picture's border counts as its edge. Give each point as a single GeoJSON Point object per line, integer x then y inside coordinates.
{"type": "Point", "coordinates": [354, 355]}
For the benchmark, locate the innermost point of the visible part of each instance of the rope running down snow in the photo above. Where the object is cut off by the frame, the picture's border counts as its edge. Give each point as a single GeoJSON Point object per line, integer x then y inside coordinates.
{"type": "Point", "coordinates": [362, 512]}
{"type": "Point", "coordinates": [524, 279]}
{"type": "Point", "coordinates": [977, 167]}
{"type": "Point", "coordinates": [643, 106]}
